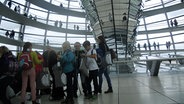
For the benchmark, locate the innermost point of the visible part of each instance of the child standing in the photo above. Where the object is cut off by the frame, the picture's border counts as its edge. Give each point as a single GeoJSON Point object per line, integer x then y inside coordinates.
{"type": "Point", "coordinates": [93, 69]}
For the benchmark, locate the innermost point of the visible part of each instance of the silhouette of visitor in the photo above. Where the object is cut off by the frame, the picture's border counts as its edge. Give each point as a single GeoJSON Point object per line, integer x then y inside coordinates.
{"type": "Point", "coordinates": [149, 45]}
{"type": "Point", "coordinates": [139, 47]}
{"type": "Point", "coordinates": [101, 21]}
{"type": "Point", "coordinates": [47, 42]}
{"type": "Point", "coordinates": [35, 18]}
{"type": "Point", "coordinates": [12, 34]}
{"type": "Point", "coordinates": [124, 17]}
{"type": "Point", "coordinates": [154, 45]}
{"type": "Point", "coordinates": [171, 22]}
{"type": "Point", "coordinates": [21, 36]}
{"type": "Point", "coordinates": [60, 24]}
{"type": "Point", "coordinates": [77, 27]}
{"type": "Point", "coordinates": [30, 16]}
{"type": "Point", "coordinates": [25, 13]}
{"type": "Point", "coordinates": [15, 9]}
{"type": "Point", "coordinates": [110, 17]}
{"type": "Point", "coordinates": [145, 46]}
{"type": "Point", "coordinates": [169, 45]}
{"type": "Point", "coordinates": [61, 5]}
{"type": "Point", "coordinates": [56, 23]}
{"type": "Point", "coordinates": [158, 46]}
{"type": "Point", "coordinates": [10, 4]}
{"type": "Point", "coordinates": [88, 28]}
{"type": "Point", "coordinates": [7, 33]}
{"type": "Point", "coordinates": [18, 9]}
{"type": "Point", "coordinates": [74, 27]}
{"type": "Point", "coordinates": [175, 22]}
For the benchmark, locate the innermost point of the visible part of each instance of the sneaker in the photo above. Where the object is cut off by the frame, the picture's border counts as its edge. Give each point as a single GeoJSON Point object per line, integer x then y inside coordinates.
{"type": "Point", "coordinates": [94, 97]}
{"type": "Point", "coordinates": [108, 91]}
{"type": "Point", "coordinates": [55, 98]}
{"type": "Point", "coordinates": [88, 96]}
{"type": "Point", "coordinates": [100, 91]}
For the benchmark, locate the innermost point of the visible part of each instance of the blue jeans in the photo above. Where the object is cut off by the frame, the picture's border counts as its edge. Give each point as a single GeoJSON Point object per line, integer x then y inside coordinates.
{"type": "Point", "coordinates": [106, 74]}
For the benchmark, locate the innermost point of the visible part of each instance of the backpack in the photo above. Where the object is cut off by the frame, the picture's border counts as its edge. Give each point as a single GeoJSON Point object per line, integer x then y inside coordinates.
{"type": "Point", "coordinates": [99, 59]}
{"type": "Point", "coordinates": [25, 61]}
{"type": "Point", "coordinates": [13, 66]}
{"type": "Point", "coordinates": [113, 54]}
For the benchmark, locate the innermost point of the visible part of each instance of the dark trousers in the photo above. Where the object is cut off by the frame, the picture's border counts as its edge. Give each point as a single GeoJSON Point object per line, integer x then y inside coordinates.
{"type": "Point", "coordinates": [92, 76]}
{"type": "Point", "coordinates": [75, 81]}
{"type": "Point", "coordinates": [69, 84]}
{"type": "Point", "coordinates": [56, 92]}
{"type": "Point", "coordinates": [53, 80]}
{"type": "Point", "coordinates": [4, 82]}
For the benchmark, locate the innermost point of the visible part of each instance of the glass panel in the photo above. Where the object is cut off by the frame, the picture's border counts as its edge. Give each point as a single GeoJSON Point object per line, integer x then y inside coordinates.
{"type": "Point", "coordinates": [9, 25]}
{"type": "Point", "coordinates": [73, 40]}
{"type": "Point", "coordinates": [158, 35]}
{"type": "Point", "coordinates": [151, 4]}
{"type": "Point", "coordinates": [76, 23]}
{"type": "Point", "coordinates": [177, 32]}
{"type": "Point", "coordinates": [176, 13]}
{"type": "Point", "coordinates": [155, 18]}
{"type": "Point", "coordinates": [159, 25]}
{"type": "Point", "coordinates": [39, 13]}
{"type": "Point", "coordinates": [141, 21]}
{"type": "Point", "coordinates": [171, 2]}
{"type": "Point", "coordinates": [34, 39]}
{"type": "Point", "coordinates": [34, 30]}
{"type": "Point", "coordinates": [179, 46]}
{"type": "Point", "coordinates": [55, 41]}
{"type": "Point", "coordinates": [141, 28]}
{"type": "Point", "coordinates": [59, 2]}
{"type": "Point", "coordinates": [178, 38]}
{"type": "Point", "coordinates": [56, 34]}
{"type": "Point", "coordinates": [142, 36]}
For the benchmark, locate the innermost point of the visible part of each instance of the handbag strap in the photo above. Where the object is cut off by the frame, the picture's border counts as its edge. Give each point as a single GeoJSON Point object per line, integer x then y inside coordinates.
{"type": "Point", "coordinates": [85, 61]}
{"type": "Point", "coordinates": [48, 57]}
{"type": "Point", "coordinates": [106, 47]}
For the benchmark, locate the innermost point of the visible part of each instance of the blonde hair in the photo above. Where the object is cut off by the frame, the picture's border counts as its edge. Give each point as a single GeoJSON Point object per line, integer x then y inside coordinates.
{"type": "Point", "coordinates": [66, 46]}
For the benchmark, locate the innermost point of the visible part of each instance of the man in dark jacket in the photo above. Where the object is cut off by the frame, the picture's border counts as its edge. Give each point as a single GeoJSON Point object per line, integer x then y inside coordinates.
{"type": "Point", "coordinates": [5, 78]}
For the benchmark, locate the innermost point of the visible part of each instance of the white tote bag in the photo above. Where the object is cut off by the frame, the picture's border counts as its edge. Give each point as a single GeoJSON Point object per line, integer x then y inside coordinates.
{"type": "Point", "coordinates": [108, 58]}
{"type": "Point", "coordinates": [83, 68]}
{"type": "Point", "coordinates": [63, 79]}
{"type": "Point", "coordinates": [45, 80]}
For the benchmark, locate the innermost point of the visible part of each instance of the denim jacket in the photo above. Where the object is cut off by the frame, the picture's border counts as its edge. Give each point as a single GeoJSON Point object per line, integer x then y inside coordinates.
{"type": "Point", "coordinates": [67, 61]}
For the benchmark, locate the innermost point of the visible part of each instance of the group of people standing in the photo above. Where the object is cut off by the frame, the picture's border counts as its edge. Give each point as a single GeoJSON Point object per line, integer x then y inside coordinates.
{"type": "Point", "coordinates": [10, 34]}
{"type": "Point", "coordinates": [70, 62]}
{"type": "Point", "coordinates": [156, 46]}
